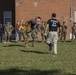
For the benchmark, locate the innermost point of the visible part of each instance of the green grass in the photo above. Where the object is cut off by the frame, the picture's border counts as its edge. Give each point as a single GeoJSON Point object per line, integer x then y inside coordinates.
{"type": "Point", "coordinates": [15, 59]}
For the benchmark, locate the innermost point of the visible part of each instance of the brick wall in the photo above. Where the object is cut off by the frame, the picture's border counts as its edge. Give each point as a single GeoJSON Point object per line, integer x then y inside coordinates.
{"type": "Point", "coordinates": [26, 9]}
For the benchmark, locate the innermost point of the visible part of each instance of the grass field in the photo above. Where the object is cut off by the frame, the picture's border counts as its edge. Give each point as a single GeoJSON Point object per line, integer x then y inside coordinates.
{"type": "Point", "coordinates": [15, 59]}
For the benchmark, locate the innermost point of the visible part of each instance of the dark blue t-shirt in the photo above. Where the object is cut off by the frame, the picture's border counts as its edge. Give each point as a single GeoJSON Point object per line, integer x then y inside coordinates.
{"type": "Point", "coordinates": [1, 29]}
{"type": "Point", "coordinates": [53, 24]}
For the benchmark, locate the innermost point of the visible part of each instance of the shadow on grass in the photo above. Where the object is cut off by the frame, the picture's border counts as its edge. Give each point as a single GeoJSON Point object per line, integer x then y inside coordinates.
{"type": "Point", "coordinates": [15, 71]}
{"type": "Point", "coordinates": [65, 41]}
{"type": "Point", "coordinates": [31, 51]}
{"type": "Point", "coordinates": [11, 45]}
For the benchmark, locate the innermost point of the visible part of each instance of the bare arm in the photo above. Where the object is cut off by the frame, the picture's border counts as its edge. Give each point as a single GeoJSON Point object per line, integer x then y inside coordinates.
{"type": "Point", "coordinates": [46, 28]}
{"type": "Point", "coordinates": [59, 29]}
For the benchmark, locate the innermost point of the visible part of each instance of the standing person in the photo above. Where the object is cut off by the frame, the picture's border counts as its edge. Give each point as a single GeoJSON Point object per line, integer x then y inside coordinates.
{"type": "Point", "coordinates": [17, 31]}
{"type": "Point", "coordinates": [20, 29]}
{"type": "Point", "coordinates": [74, 32]}
{"type": "Point", "coordinates": [42, 27]}
{"type": "Point", "coordinates": [53, 25]}
{"type": "Point", "coordinates": [8, 31]}
{"type": "Point", "coordinates": [1, 32]}
{"type": "Point", "coordinates": [64, 31]}
{"type": "Point", "coordinates": [28, 30]}
{"type": "Point", "coordinates": [39, 22]}
{"type": "Point", "coordinates": [23, 32]}
{"type": "Point", "coordinates": [60, 35]}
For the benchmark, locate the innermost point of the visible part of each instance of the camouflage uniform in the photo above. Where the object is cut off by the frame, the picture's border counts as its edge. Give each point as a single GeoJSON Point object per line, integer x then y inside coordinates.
{"type": "Point", "coordinates": [43, 31]}
{"type": "Point", "coordinates": [73, 32]}
{"type": "Point", "coordinates": [34, 31]}
{"type": "Point", "coordinates": [23, 33]}
{"type": "Point", "coordinates": [8, 31]}
{"type": "Point", "coordinates": [64, 32]}
{"type": "Point", "coordinates": [28, 32]}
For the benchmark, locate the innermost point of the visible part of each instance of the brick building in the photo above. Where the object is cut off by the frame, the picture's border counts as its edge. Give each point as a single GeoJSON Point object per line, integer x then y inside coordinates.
{"type": "Point", "coordinates": [15, 10]}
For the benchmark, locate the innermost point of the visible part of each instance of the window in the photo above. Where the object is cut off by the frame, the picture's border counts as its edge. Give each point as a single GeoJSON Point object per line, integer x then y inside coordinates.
{"type": "Point", "coordinates": [7, 16]}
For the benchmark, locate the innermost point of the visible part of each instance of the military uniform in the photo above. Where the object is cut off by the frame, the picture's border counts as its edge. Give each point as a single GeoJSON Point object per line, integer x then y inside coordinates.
{"type": "Point", "coordinates": [64, 32]}
{"type": "Point", "coordinates": [34, 30]}
{"type": "Point", "coordinates": [28, 32]}
{"type": "Point", "coordinates": [42, 27]}
{"type": "Point", "coordinates": [35, 27]}
{"type": "Point", "coordinates": [8, 31]}
{"type": "Point", "coordinates": [73, 32]}
{"type": "Point", "coordinates": [23, 33]}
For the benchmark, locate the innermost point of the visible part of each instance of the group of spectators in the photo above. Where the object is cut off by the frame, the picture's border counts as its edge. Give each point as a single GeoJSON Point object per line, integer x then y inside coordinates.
{"type": "Point", "coordinates": [63, 32]}
{"type": "Point", "coordinates": [50, 31]}
{"type": "Point", "coordinates": [5, 32]}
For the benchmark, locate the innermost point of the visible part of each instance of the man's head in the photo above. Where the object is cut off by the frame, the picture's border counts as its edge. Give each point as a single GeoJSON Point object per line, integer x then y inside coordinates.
{"type": "Point", "coordinates": [64, 22]}
{"type": "Point", "coordinates": [8, 23]}
{"type": "Point", "coordinates": [38, 18]}
{"type": "Point", "coordinates": [53, 15]}
{"type": "Point", "coordinates": [18, 22]}
{"type": "Point", "coordinates": [75, 23]}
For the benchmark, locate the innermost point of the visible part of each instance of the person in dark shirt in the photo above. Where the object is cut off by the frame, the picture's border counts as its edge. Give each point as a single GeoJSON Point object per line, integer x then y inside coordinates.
{"type": "Point", "coordinates": [54, 26]}
{"type": "Point", "coordinates": [1, 32]}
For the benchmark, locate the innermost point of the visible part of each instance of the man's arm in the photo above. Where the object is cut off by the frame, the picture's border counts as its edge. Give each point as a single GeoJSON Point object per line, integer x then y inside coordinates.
{"type": "Point", "coordinates": [59, 29]}
{"type": "Point", "coordinates": [46, 29]}
{"type": "Point", "coordinates": [11, 28]}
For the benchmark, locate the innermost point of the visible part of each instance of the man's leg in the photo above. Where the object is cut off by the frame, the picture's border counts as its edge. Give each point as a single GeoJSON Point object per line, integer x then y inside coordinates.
{"type": "Point", "coordinates": [25, 39]}
{"type": "Point", "coordinates": [9, 37]}
{"type": "Point", "coordinates": [34, 38]}
{"type": "Point", "coordinates": [55, 43]}
{"type": "Point", "coordinates": [64, 36]}
{"type": "Point", "coordinates": [49, 40]}
{"type": "Point", "coordinates": [17, 36]}
{"type": "Point", "coordinates": [5, 37]}
{"type": "Point", "coordinates": [72, 37]}
{"type": "Point", "coordinates": [55, 47]}
{"type": "Point", "coordinates": [50, 46]}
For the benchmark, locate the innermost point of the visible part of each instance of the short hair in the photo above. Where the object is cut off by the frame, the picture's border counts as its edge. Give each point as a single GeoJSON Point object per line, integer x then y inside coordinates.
{"type": "Point", "coordinates": [64, 22]}
{"type": "Point", "coordinates": [53, 14]}
{"type": "Point", "coordinates": [39, 17]}
{"type": "Point", "coordinates": [74, 22]}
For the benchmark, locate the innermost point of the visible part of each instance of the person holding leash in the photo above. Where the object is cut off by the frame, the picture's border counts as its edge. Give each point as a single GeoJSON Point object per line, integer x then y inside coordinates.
{"type": "Point", "coordinates": [54, 26]}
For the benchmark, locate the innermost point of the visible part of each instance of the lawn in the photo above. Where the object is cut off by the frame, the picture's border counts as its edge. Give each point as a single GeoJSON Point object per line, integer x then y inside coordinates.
{"type": "Point", "coordinates": [15, 59]}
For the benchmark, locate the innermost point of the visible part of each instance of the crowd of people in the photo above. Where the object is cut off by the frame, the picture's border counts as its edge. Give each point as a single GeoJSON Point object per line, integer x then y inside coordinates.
{"type": "Point", "coordinates": [51, 31]}
{"type": "Point", "coordinates": [6, 30]}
